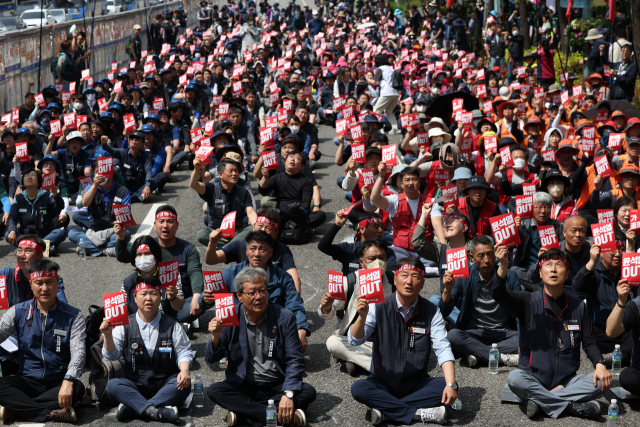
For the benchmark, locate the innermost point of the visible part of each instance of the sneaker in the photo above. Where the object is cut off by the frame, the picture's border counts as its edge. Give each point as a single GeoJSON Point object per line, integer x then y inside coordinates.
{"type": "Point", "coordinates": [156, 191]}
{"type": "Point", "coordinates": [231, 418]}
{"type": "Point", "coordinates": [195, 324]}
{"type": "Point", "coordinates": [63, 415]}
{"type": "Point", "coordinates": [377, 417]}
{"type": "Point", "coordinates": [109, 252]}
{"type": "Point", "coordinates": [124, 413]}
{"type": "Point", "coordinates": [589, 410]}
{"type": "Point", "coordinates": [299, 418]}
{"type": "Point", "coordinates": [6, 414]}
{"type": "Point", "coordinates": [78, 250]}
{"type": "Point", "coordinates": [608, 359]}
{"type": "Point", "coordinates": [432, 415]}
{"type": "Point", "coordinates": [351, 368]}
{"type": "Point", "coordinates": [169, 414]}
{"type": "Point", "coordinates": [472, 360]}
{"type": "Point", "coordinates": [53, 251]}
{"type": "Point", "coordinates": [381, 131]}
{"type": "Point", "coordinates": [532, 408]}
{"type": "Point", "coordinates": [394, 131]}
{"type": "Point", "coordinates": [509, 359]}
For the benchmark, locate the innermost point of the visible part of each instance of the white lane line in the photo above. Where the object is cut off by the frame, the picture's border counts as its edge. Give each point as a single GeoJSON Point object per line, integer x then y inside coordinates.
{"type": "Point", "coordinates": [316, 290]}
{"type": "Point", "coordinates": [147, 225]}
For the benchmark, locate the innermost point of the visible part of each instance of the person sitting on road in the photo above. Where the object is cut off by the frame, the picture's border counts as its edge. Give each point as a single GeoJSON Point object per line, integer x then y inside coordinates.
{"type": "Point", "coordinates": [145, 255]}
{"type": "Point", "coordinates": [372, 254]}
{"type": "Point", "coordinates": [223, 197]}
{"type": "Point", "coordinates": [478, 207]}
{"type": "Point", "coordinates": [482, 321]}
{"type": "Point", "coordinates": [404, 328]}
{"type": "Point", "coordinates": [74, 160]}
{"type": "Point", "coordinates": [47, 386]}
{"type": "Point", "coordinates": [267, 220]}
{"type": "Point", "coordinates": [282, 290]}
{"type": "Point", "coordinates": [191, 279]}
{"type": "Point", "coordinates": [265, 359]}
{"type": "Point", "coordinates": [34, 210]}
{"type": "Point", "coordinates": [157, 358]}
{"type": "Point", "coordinates": [553, 327]}
{"type": "Point", "coordinates": [160, 157]}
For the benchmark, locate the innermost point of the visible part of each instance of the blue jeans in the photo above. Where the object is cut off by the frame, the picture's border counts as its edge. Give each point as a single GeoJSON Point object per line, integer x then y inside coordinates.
{"type": "Point", "coordinates": [138, 194]}
{"type": "Point", "coordinates": [75, 234]}
{"type": "Point", "coordinates": [503, 209]}
{"type": "Point", "coordinates": [500, 62]}
{"type": "Point", "coordinates": [453, 316]}
{"type": "Point", "coordinates": [336, 141]}
{"type": "Point", "coordinates": [184, 315]}
{"type": "Point", "coordinates": [409, 158]}
{"type": "Point", "coordinates": [55, 237]}
{"type": "Point", "coordinates": [386, 123]}
{"type": "Point", "coordinates": [139, 398]}
{"type": "Point", "coordinates": [82, 218]}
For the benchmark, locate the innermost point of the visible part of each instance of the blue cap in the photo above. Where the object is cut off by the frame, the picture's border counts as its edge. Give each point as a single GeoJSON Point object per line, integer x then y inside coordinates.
{"type": "Point", "coordinates": [243, 10]}
{"type": "Point", "coordinates": [89, 90]}
{"type": "Point", "coordinates": [51, 158]}
{"type": "Point", "coordinates": [26, 131]}
{"type": "Point", "coordinates": [461, 173]}
{"type": "Point", "coordinates": [54, 105]}
{"type": "Point", "coordinates": [191, 86]}
{"type": "Point", "coordinates": [100, 152]}
{"type": "Point", "coordinates": [149, 77]}
{"type": "Point", "coordinates": [180, 8]}
{"type": "Point", "coordinates": [105, 81]}
{"type": "Point", "coordinates": [164, 110]}
{"type": "Point", "coordinates": [229, 54]}
{"type": "Point", "coordinates": [137, 89]}
{"type": "Point", "coordinates": [397, 12]}
{"type": "Point", "coordinates": [151, 117]}
{"type": "Point", "coordinates": [147, 128]}
{"type": "Point", "coordinates": [165, 70]}
{"type": "Point", "coordinates": [43, 112]}
{"type": "Point", "coordinates": [123, 74]}
{"type": "Point", "coordinates": [106, 115]}
{"type": "Point", "coordinates": [117, 108]}
{"type": "Point", "coordinates": [166, 11]}
{"type": "Point", "coordinates": [370, 118]}
{"type": "Point", "coordinates": [494, 13]}
{"type": "Point", "coordinates": [50, 87]}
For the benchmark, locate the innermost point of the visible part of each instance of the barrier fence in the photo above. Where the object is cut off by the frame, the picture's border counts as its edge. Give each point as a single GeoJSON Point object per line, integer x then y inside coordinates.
{"type": "Point", "coordinates": [20, 50]}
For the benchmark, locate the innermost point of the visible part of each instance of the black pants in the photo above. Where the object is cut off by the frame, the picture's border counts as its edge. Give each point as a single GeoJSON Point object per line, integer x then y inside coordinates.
{"type": "Point", "coordinates": [607, 344]}
{"type": "Point", "coordinates": [33, 400]}
{"type": "Point", "coordinates": [317, 218]}
{"type": "Point", "coordinates": [630, 380]}
{"type": "Point", "coordinates": [249, 402]}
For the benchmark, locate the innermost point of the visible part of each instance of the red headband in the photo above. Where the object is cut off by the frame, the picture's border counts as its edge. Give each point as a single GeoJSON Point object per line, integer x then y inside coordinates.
{"type": "Point", "coordinates": [31, 244]}
{"type": "Point", "coordinates": [621, 243]}
{"type": "Point", "coordinates": [42, 273]}
{"type": "Point", "coordinates": [409, 267]}
{"type": "Point", "coordinates": [370, 221]}
{"type": "Point", "coordinates": [166, 214]}
{"type": "Point", "coordinates": [557, 258]}
{"type": "Point", "coordinates": [265, 220]}
{"type": "Point", "coordinates": [143, 247]}
{"type": "Point", "coordinates": [142, 285]}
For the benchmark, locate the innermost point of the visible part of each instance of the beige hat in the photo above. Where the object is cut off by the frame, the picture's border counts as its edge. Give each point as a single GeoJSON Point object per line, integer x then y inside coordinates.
{"type": "Point", "coordinates": [439, 132]}
{"type": "Point", "coordinates": [593, 34]}
{"type": "Point", "coordinates": [137, 27]}
{"type": "Point", "coordinates": [144, 85]}
{"type": "Point", "coordinates": [440, 122]}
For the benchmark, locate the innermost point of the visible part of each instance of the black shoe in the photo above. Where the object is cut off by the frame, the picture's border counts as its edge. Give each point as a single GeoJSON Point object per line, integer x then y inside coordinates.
{"type": "Point", "coordinates": [589, 410]}
{"type": "Point", "coordinates": [169, 414]}
{"type": "Point", "coordinates": [532, 409]}
{"type": "Point", "coordinates": [124, 413]}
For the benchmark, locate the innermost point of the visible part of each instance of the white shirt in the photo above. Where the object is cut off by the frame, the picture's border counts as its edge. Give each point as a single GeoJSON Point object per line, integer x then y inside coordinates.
{"type": "Point", "coordinates": [393, 205]}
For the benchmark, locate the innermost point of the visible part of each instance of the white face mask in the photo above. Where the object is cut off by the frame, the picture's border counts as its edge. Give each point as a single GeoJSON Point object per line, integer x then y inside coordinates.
{"type": "Point", "coordinates": [145, 263]}
{"type": "Point", "coordinates": [382, 265]}
{"type": "Point", "coordinates": [519, 163]}
{"type": "Point", "coordinates": [556, 190]}
{"type": "Point", "coordinates": [197, 55]}
{"type": "Point", "coordinates": [515, 33]}
{"type": "Point", "coordinates": [294, 129]}
{"type": "Point", "coordinates": [78, 105]}
{"type": "Point", "coordinates": [91, 96]}
{"type": "Point", "coordinates": [421, 108]}
{"type": "Point", "coordinates": [437, 140]}
{"type": "Point", "coordinates": [435, 91]}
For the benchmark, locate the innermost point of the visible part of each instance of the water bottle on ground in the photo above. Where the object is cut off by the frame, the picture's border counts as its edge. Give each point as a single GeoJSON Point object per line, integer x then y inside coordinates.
{"type": "Point", "coordinates": [198, 398]}
{"type": "Point", "coordinates": [272, 416]}
{"type": "Point", "coordinates": [612, 413]}
{"type": "Point", "coordinates": [457, 405]}
{"type": "Point", "coordinates": [494, 357]}
{"type": "Point", "coordinates": [616, 365]}
{"type": "Point", "coordinates": [81, 250]}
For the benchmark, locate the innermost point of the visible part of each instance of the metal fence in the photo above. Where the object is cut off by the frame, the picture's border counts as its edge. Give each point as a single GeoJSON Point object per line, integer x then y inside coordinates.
{"type": "Point", "coordinates": [20, 51]}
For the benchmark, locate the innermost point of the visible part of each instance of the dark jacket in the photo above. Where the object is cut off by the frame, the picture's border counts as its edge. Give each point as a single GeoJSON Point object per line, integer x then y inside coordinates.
{"type": "Point", "coordinates": [625, 80]}
{"type": "Point", "coordinates": [35, 216]}
{"type": "Point", "coordinates": [281, 327]}
{"type": "Point", "coordinates": [516, 47]}
{"type": "Point", "coordinates": [19, 288]}
{"type": "Point", "coordinates": [525, 235]}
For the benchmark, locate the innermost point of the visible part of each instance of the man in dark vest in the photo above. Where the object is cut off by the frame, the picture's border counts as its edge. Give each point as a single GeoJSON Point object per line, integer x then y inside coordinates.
{"type": "Point", "coordinates": [157, 361]}
{"type": "Point", "coordinates": [30, 248]}
{"type": "Point", "coordinates": [51, 354]}
{"type": "Point", "coordinates": [100, 238]}
{"type": "Point", "coordinates": [553, 326]}
{"type": "Point", "coordinates": [477, 207]}
{"type": "Point", "coordinates": [404, 328]}
{"type": "Point", "coordinates": [166, 226]}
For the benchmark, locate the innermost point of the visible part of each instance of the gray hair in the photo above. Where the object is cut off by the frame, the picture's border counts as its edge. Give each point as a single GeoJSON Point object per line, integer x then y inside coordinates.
{"type": "Point", "coordinates": [542, 197]}
{"type": "Point", "coordinates": [249, 275]}
{"type": "Point", "coordinates": [480, 240]}
{"type": "Point", "coordinates": [35, 124]}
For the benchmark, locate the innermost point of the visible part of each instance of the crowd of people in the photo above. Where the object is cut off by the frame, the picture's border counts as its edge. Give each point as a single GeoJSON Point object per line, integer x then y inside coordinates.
{"type": "Point", "coordinates": [462, 158]}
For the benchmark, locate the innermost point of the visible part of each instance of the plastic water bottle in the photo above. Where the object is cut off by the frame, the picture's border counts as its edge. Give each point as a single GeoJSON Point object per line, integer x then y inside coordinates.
{"type": "Point", "coordinates": [457, 405]}
{"type": "Point", "coordinates": [81, 250]}
{"type": "Point", "coordinates": [272, 416]}
{"type": "Point", "coordinates": [494, 357]}
{"type": "Point", "coordinates": [612, 413]}
{"type": "Point", "coordinates": [616, 366]}
{"type": "Point", "coordinates": [198, 398]}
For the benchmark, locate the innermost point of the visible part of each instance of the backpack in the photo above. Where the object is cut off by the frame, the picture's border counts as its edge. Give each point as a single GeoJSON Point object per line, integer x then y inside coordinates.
{"type": "Point", "coordinates": [296, 229]}
{"type": "Point", "coordinates": [93, 322]}
{"type": "Point", "coordinates": [127, 47]}
{"type": "Point", "coordinates": [351, 283]}
{"type": "Point", "coordinates": [397, 81]}
{"type": "Point", "coordinates": [69, 71]}
{"type": "Point", "coordinates": [102, 371]}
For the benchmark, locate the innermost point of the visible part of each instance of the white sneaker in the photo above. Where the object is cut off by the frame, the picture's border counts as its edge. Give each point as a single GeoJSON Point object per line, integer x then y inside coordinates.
{"type": "Point", "coordinates": [394, 131]}
{"type": "Point", "coordinates": [509, 359]}
{"type": "Point", "coordinates": [377, 417]}
{"type": "Point", "coordinates": [472, 360]}
{"type": "Point", "coordinates": [432, 415]}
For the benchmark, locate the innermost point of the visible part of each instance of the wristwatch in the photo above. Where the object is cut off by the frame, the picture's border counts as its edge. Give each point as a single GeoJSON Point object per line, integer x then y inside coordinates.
{"type": "Point", "coordinates": [452, 385]}
{"type": "Point", "coordinates": [289, 394]}
{"type": "Point", "coordinates": [68, 378]}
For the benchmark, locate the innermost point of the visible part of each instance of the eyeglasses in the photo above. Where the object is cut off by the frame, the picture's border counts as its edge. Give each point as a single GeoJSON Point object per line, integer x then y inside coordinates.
{"type": "Point", "coordinates": [263, 292]}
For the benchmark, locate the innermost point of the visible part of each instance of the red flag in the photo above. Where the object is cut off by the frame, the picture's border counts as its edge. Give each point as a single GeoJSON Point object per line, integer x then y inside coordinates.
{"type": "Point", "coordinates": [570, 5]}
{"type": "Point", "coordinates": [450, 3]}
{"type": "Point", "coordinates": [612, 10]}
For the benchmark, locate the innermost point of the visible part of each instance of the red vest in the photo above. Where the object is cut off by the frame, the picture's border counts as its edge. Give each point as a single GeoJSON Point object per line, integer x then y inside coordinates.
{"type": "Point", "coordinates": [565, 210]}
{"type": "Point", "coordinates": [432, 187]}
{"type": "Point", "coordinates": [528, 176]}
{"type": "Point", "coordinates": [404, 223]}
{"type": "Point", "coordinates": [483, 226]}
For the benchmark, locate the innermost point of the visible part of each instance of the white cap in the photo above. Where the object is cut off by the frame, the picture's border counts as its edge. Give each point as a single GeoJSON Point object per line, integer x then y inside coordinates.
{"type": "Point", "coordinates": [617, 346]}
{"type": "Point", "coordinates": [270, 402]}
{"type": "Point", "coordinates": [494, 345]}
{"type": "Point", "coordinates": [614, 401]}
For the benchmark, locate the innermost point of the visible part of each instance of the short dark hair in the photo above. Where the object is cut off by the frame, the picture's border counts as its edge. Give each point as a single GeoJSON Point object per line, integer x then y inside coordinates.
{"type": "Point", "coordinates": [302, 107]}
{"type": "Point", "coordinates": [39, 240]}
{"type": "Point", "coordinates": [168, 208]}
{"type": "Point", "coordinates": [364, 246]}
{"type": "Point", "coordinates": [175, 106]}
{"type": "Point", "coordinates": [234, 110]}
{"type": "Point", "coordinates": [32, 169]}
{"type": "Point", "coordinates": [304, 160]}
{"type": "Point", "coordinates": [480, 240]}
{"type": "Point", "coordinates": [146, 278]}
{"type": "Point", "coordinates": [411, 260]}
{"type": "Point", "coordinates": [222, 165]}
{"type": "Point", "coordinates": [269, 213]}
{"type": "Point", "coordinates": [520, 148]}
{"type": "Point", "coordinates": [154, 247]}
{"type": "Point", "coordinates": [260, 237]}
{"type": "Point", "coordinates": [409, 171]}
{"type": "Point", "coordinates": [378, 137]}
{"type": "Point", "coordinates": [554, 253]}
{"type": "Point", "coordinates": [44, 264]}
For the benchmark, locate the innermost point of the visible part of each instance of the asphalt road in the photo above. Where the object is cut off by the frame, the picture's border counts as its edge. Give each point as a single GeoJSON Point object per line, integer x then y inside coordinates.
{"type": "Point", "coordinates": [86, 281]}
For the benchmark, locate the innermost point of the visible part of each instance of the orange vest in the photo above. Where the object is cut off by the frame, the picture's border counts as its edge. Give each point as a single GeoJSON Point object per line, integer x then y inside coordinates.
{"type": "Point", "coordinates": [589, 187]}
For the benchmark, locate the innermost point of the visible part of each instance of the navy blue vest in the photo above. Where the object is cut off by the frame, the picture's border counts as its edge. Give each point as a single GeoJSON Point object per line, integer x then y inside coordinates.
{"type": "Point", "coordinates": [183, 249]}
{"type": "Point", "coordinates": [401, 349]}
{"type": "Point", "coordinates": [147, 371]}
{"type": "Point", "coordinates": [45, 351]}
{"type": "Point", "coordinates": [549, 350]}
{"type": "Point", "coordinates": [72, 168]}
{"type": "Point", "coordinates": [102, 217]}
{"type": "Point", "coordinates": [635, 353]}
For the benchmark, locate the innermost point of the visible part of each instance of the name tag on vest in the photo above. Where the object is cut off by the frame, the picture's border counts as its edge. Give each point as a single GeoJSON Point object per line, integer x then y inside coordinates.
{"type": "Point", "coordinates": [60, 332]}
{"type": "Point", "coordinates": [166, 349]}
{"type": "Point", "coordinates": [415, 330]}
{"type": "Point", "coordinates": [22, 210]}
